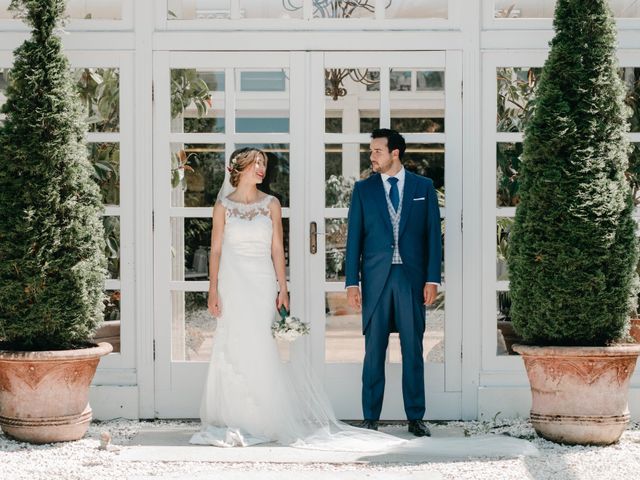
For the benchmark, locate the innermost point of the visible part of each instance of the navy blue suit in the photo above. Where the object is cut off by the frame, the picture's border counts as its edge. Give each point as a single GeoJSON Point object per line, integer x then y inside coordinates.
{"type": "Point", "coordinates": [392, 295]}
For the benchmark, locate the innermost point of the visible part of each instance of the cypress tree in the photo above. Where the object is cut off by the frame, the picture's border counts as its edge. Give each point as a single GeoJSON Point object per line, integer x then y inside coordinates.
{"type": "Point", "coordinates": [573, 248]}
{"type": "Point", "coordinates": [52, 266]}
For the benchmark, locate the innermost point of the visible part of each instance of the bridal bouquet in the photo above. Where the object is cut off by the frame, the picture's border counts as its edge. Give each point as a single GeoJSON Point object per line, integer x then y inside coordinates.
{"type": "Point", "coordinates": [288, 328]}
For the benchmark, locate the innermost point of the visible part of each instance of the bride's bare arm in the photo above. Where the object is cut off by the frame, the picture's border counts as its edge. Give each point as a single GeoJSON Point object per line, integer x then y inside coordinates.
{"type": "Point", "coordinates": [214, 259]}
{"type": "Point", "coordinates": [277, 253]}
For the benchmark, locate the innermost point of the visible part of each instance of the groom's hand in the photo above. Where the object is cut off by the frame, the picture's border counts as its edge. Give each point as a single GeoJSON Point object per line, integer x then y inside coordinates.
{"type": "Point", "coordinates": [353, 297]}
{"type": "Point", "coordinates": [430, 293]}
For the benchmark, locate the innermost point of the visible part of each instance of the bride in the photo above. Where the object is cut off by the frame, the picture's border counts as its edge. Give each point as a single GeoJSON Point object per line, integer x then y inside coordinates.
{"type": "Point", "coordinates": [250, 396]}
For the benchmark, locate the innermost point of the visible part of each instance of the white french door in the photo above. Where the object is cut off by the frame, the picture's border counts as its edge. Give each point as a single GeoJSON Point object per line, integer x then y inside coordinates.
{"type": "Point", "coordinates": [316, 134]}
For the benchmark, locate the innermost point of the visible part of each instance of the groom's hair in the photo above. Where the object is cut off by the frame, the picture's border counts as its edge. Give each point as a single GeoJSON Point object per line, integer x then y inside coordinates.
{"type": "Point", "coordinates": [395, 141]}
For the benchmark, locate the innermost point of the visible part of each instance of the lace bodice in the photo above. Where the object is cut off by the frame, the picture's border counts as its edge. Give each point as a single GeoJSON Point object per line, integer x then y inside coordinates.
{"type": "Point", "coordinates": [248, 229]}
{"type": "Point", "coordinates": [247, 211]}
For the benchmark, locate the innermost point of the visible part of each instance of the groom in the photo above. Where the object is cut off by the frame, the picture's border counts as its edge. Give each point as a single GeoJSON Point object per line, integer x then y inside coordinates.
{"type": "Point", "coordinates": [394, 251]}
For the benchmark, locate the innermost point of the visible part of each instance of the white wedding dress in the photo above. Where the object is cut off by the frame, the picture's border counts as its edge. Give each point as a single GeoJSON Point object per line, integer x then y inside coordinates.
{"type": "Point", "coordinates": [250, 395]}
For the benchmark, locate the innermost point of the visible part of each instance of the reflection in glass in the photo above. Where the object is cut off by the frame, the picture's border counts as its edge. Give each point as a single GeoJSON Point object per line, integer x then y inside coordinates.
{"type": "Point", "coordinates": [99, 91]}
{"type": "Point", "coordinates": [515, 87]}
{"type": "Point", "coordinates": [344, 164]}
{"type": "Point", "coordinates": [192, 327]}
{"type": "Point", "coordinates": [197, 100]}
{"type": "Point", "coordinates": [340, 8]}
{"type": "Point", "coordinates": [506, 335]}
{"type": "Point", "coordinates": [634, 172]}
{"type": "Point", "coordinates": [545, 8]}
{"type": "Point", "coordinates": [276, 180]}
{"type": "Point", "coordinates": [197, 173]}
{"type": "Point", "coordinates": [503, 230]}
{"type": "Point", "coordinates": [344, 341]}
{"type": "Point", "coordinates": [105, 158]}
{"type": "Point", "coordinates": [263, 101]}
{"type": "Point", "coordinates": [109, 330]}
{"type": "Point", "coordinates": [353, 95]}
{"type": "Point", "coordinates": [80, 9]}
{"type": "Point", "coordinates": [333, 124]}
{"type": "Point", "coordinates": [112, 245]}
{"type": "Point", "coordinates": [190, 248]}
{"type": "Point", "coordinates": [336, 246]}
{"type": "Point", "coordinates": [631, 78]}
{"type": "Point", "coordinates": [508, 157]}
{"type": "Point", "coordinates": [417, 100]}
{"type": "Point", "coordinates": [221, 9]}
{"type": "Point", "coordinates": [427, 160]}
{"type": "Point", "coordinates": [430, 9]}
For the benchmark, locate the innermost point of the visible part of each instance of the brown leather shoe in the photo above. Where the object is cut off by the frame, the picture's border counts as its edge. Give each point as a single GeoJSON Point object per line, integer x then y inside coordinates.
{"type": "Point", "coordinates": [369, 424]}
{"type": "Point", "coordinates": [418, 428]}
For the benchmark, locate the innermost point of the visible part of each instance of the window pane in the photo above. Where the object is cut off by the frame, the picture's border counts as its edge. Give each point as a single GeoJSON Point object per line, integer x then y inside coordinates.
{"type": "Point", "coordinates": [197, 173]}
{"type": "Point", "coordinates": [81, 9]}
{"type": "Point", "coordinates": [105, 158]}
{"type": "Point", "coordinates": [262, 101]}
{"type": "Point", "coordinates": [220, 9]}
{"type": "Point", "coordinates": [344, 342]}
{"type": "Point", "coordinates": [353, 94]}
{"type": "Point", "coordinates": [508, 157]}
{"type": "Point", "coordinates": [545, 8]}
{"type": "Point", "coordinates": [634, 172]}
{"type": "Point", "coordinates": [503, 230]}
{"type": "Point", "coordinates": [417, 100]}
{"type": "Point", "coordinates": [506, 335]}
{"type": "Point", "coordinates": [336, 246]}
{"type": "Point", "coordinates": [427, 160]}
{"type": "Point", "coordinates": [276, 180]}
{"type": "Point", "coordinates": [4, 72]}
{"type": "Point", "coordinates": [430, 9]}
{"type": "Point", "coordinates": [341, 8]}
{"type": "Point", "coordinates": [515, 91]}
{"type": "Point", "coordinates": [112, 245]}
{"type": "Point", "coordinates": [631, 78]}
{"type": "Point", "coordinates": [99, 91]}
{"type": "Point", "coordinates": [109, 330]}
{"type": "Point", "coordinates": [192, 327]}
{"type": "Point", "coordinates": [197, 101]}
{"type": "Point", "coordinates": [344, 164]}
{"type": "Point", "coordinates": [190, 248]}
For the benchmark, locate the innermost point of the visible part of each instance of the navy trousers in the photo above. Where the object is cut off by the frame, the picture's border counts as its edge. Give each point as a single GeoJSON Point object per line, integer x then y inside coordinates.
{"type": "Point", "coordinates": [397, 307]}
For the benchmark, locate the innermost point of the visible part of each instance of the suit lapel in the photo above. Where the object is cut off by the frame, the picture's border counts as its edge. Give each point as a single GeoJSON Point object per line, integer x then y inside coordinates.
{"type": "Point", "coordinates": [380, 200]}
{"type": "Point", "coordinates": [407, 199]}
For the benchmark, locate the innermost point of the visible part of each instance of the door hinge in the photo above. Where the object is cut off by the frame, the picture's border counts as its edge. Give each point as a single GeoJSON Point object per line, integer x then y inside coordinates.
{"type": "Point", "coordinates": [461, 221]}
{"type": "Point", "coordinates": [462, 89]}
{"type": "Point", "coordinates": [154, 350]}
{"type": "Point", "coordinates": [153, 221]}
{"type": "Point", "coordinates": [153, 92]}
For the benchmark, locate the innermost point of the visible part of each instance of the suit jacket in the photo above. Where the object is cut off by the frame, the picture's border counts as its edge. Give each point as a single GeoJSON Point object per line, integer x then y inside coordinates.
{"type": "Point", "coordinates": [370, 238]}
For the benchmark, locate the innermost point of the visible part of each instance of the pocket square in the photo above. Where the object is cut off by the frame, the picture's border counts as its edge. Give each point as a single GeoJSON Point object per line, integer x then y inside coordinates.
{"type": "Point", "coordinates": [416, 199]}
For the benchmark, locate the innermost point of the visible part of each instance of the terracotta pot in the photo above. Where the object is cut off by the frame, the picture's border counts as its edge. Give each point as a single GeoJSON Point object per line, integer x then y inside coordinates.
{"type": "Point", "coordinates": [580, 394]}
{"type": "Point", "coordinates": [109, 332]}
{"type": "Point", "coordinates": [634, 331]}
{"type": "Point", "coordinates": [44, 396]}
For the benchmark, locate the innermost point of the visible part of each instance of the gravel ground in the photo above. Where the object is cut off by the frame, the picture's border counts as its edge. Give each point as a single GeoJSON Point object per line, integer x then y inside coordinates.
{"type": "Point", "coordinates": [84, 459]}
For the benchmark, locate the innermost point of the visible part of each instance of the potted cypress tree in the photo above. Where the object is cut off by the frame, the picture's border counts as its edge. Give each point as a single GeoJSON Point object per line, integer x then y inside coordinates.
{"type": "Point", "coordinates": [573, 249]}
{"type": "Point", "coordinates": [52, 265]}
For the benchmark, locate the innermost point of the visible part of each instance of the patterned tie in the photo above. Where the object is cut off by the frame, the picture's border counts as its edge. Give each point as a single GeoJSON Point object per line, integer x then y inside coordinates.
{"type": "Point", "coordinates": [394, 196]}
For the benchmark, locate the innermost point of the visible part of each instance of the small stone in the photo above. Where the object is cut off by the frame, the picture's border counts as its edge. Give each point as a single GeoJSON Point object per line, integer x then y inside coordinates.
{"type": "Point", "coordinates": [105, 440]}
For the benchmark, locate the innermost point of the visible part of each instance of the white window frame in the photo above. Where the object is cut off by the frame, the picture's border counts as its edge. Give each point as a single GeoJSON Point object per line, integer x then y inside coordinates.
{"type": "Point", "coordinates": [81, 25]}
{"type": "Point", "coordinates": [308, 23]}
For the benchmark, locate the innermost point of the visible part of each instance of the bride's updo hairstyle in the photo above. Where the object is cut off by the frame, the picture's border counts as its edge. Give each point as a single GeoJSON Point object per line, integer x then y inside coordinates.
{"type": "Point", "coordinates": [240, 160]}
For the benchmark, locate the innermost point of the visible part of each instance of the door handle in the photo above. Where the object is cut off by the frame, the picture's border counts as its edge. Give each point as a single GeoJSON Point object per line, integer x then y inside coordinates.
{"type": "Point", "coordinates": [313, 238]}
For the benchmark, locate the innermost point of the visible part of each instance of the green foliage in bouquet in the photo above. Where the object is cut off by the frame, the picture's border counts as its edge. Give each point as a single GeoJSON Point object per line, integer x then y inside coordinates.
{"type": "Point", "coordinates": [52, 266]}
{"type": "Point", "coordinates": [573, 249]}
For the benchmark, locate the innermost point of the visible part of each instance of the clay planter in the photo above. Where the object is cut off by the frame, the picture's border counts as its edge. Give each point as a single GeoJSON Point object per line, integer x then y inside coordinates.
{"type": "Point", "coordinates": [44, 396]}
{"type": "Point", "coordinates": [579, 394]}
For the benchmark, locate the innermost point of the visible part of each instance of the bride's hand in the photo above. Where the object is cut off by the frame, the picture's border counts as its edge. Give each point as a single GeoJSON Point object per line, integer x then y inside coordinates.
{"type": "Point", "coordinates": [283, 299]}
{"type": "Point", "coordinates": [215, 308]}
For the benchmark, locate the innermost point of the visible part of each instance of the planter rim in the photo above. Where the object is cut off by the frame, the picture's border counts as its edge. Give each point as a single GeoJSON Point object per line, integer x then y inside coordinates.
{"type": "Point", "coordinates": [101, 349]}
{"type": "Point", "coordinates": [576, 351]}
